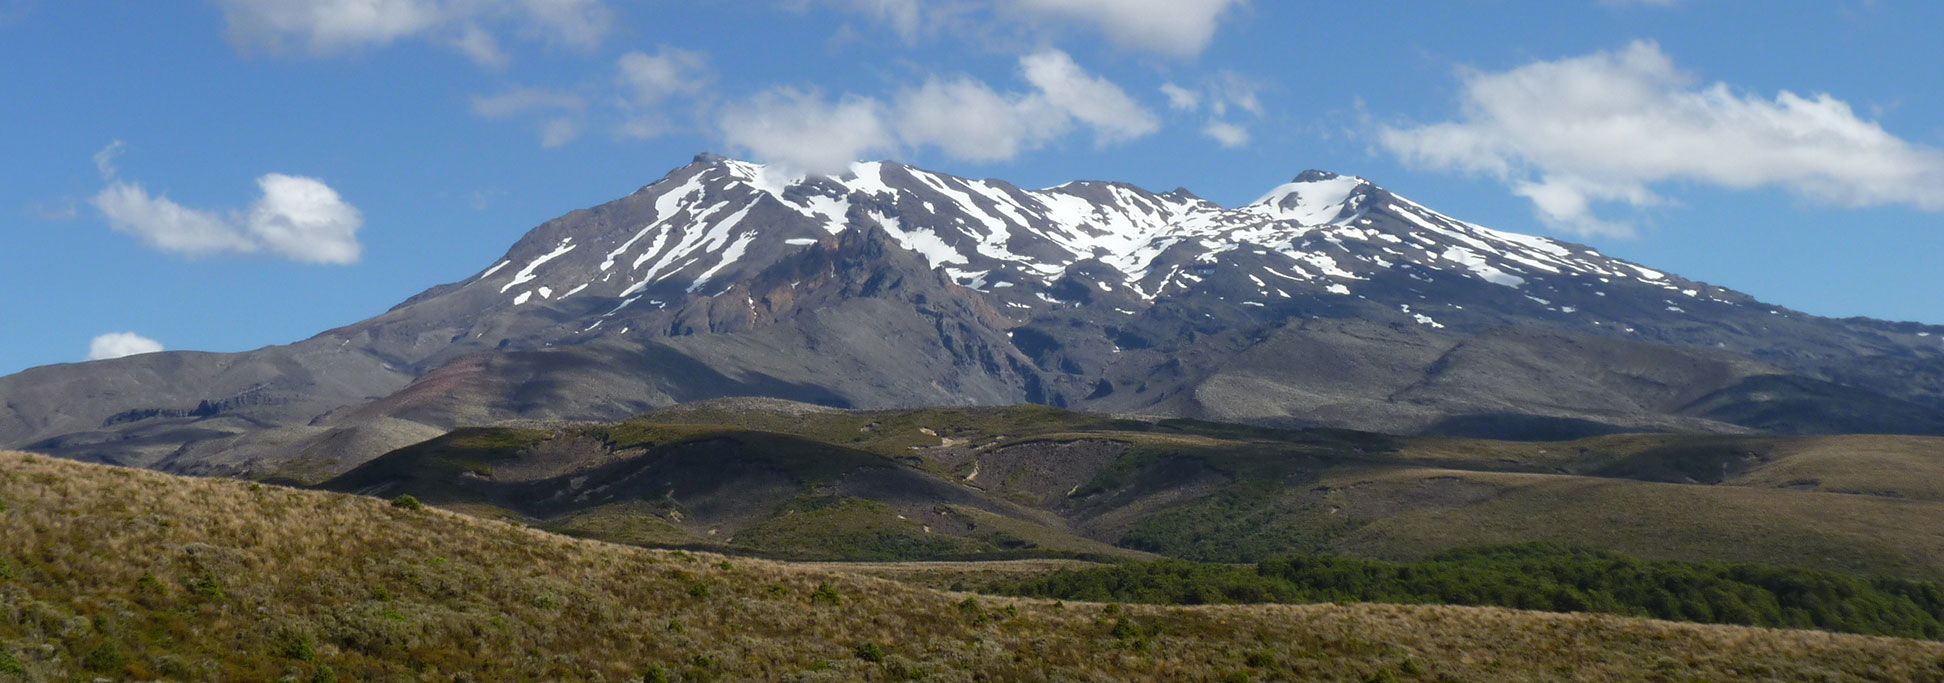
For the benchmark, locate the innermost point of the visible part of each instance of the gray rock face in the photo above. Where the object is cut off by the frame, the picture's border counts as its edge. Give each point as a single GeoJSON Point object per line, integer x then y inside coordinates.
{"type": "Point", "coordinates": [1329, 301]}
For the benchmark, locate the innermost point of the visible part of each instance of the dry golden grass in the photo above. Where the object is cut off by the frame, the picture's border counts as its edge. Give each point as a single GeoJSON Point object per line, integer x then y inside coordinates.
{"type": "Point", "coordinates": [1896, 466]}
{"type": "Point", "coordinates": [133, 574]}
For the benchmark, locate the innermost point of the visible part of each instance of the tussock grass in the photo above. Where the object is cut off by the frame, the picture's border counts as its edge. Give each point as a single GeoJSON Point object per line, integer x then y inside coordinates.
{"type": "Point", "coordinates": [127, 574]}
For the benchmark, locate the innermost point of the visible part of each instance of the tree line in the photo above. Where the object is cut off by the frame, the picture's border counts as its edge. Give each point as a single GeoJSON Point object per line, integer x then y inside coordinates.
{"type": "Point", "coordinates": [1539, 576]}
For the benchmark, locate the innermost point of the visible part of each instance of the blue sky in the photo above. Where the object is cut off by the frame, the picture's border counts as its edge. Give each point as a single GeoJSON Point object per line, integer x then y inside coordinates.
{"type": "Point", "coordinates": [229, 174]}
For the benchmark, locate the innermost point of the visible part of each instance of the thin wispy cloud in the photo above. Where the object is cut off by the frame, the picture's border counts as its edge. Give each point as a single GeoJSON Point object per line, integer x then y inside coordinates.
{"type": "Point", "coordinates": [1174, 28]}
{"type": "Point", "coordinates": [333, 27]}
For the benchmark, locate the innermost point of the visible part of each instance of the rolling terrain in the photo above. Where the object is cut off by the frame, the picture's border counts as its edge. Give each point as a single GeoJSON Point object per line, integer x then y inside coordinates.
{"type": "Point", "coordinates": [120, 573]}
{"type": "Point", "coordinates": [804, 482]}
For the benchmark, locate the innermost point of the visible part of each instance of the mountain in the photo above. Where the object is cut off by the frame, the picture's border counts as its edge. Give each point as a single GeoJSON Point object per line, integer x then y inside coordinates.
{"type": "Point", "coordinates": [1329, 301]}
{"type": "Point", "coordinates": [111, 574]}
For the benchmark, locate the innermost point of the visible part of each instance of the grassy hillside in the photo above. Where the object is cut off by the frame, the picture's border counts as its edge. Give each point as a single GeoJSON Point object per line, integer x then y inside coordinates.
{"type": "Point", "coordinates": [802, 482]}
{"type": "Point", "coordinates": [118, 573]}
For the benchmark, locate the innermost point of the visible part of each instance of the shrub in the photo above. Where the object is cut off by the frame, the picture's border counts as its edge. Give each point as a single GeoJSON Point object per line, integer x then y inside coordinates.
{"type": "Point", "coordinates": [825, 595]}
{"type": "Point", "coordinates": [972, 610]}
{"type": "Point", "coordinates": [870, 652]}
{"type": "Point", "coordinates": [407, 502]}
{"type": "Point", "coordinates": [207, 587]}
{"type": "Point", "coordinates": [105, 657]}
{"type": "Point", "coordinates": [324, 674]}
{"type": "Point", "coordinates": [10, 665]}
{"type": "Point", "coordinates": [698, 590]}
{"type": "Point", "coordinates": [298, 647]}
{"type": "Point", "coordinates": [6, 568]}
{"type": "Point", "coordinates": [655, 674]}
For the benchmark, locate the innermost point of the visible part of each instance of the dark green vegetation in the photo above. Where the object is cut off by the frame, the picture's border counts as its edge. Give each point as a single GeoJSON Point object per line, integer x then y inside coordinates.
{"type": "Point", "coordinates": [1535, 576]}
{"type": "Point", "coordinates": [802, 482]}
{"type": "Point", "coordinates": [124, 574]}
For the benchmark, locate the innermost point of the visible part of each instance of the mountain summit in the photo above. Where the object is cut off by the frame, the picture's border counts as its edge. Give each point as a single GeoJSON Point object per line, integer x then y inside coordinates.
{"type": "Point", "coordinates": [1329, 301]}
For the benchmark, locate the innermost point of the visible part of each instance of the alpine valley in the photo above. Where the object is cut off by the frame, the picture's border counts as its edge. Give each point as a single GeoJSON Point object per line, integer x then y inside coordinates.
{"type": "Point", "coordinates": [1329, 302]}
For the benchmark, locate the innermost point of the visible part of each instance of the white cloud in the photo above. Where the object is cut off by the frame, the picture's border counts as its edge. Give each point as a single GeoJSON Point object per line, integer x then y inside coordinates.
{"type": "Point", "coordinates": [304, 220]}
{"type": "Point", "coordinates": [55, 211]}
{"type": "Point", "coordinates": [481, 47]}
{"type": "Point", "coordinates": [1181, 99]}
{"type": "Point", "coordinates": [1179, 28]}
{"type": "Point", "coordinates": [904, 16]}
{"type": "Point", "coordinates": [670, 71]}
{"type": "Point", "coordinates": [329, 27]}
{"type": "Point", "coordinates": [1227, 134]}
{"type": "Point", "coordinates": [1099, 103]}
{"type": "Point", "coordinates": [1174, 27]}
{"type": "Point", "coordinates": [581, 23]}
{"type": "Point", "coordinates": [1231, 89]}
{"type": "Point", "coordinates": [166, 225]}
{"type": "Point", "coordinates": [522, 100]}
{"type": "Point", "coordinates": [1606, 127]}
{"type": "Point", "coordinates": [963, 117]}
{"type": "Point", "coordinates": [104, 160]}
{"type": "Point", "coordinates": [120, 344]}
{"type": "Point", "coordinates": [1224, 92]}
{"type": "Point", "coordinates": [557, 132]}
{"type": "Point", "coordinates": [649, 82]}
{"type": "Point", "coordinates": [969, 120]}
{"type": "Point", "coordinates": [562, 109]}
{"type": "Point", "coordinates": [798, 129]}
{"type": "Point", "coordinates": [295, 217]}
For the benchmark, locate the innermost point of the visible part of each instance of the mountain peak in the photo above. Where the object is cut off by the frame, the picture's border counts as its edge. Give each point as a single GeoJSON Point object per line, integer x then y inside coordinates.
{"type": "Point", "coordinates": [1314, 175]}
{"type": "Point", "coordinates": [1313, 197]}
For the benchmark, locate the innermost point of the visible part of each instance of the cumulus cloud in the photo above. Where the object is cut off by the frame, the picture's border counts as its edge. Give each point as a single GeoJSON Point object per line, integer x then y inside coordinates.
{"type": "Point", "coordinates": [1097, 102]}
{"type": "Point", "coordinates": [1607, 127]}
{"type": "Point", "coordinates": [295, 217]}
{"type": "Point", "coordinates": [963, 117]}
{"type": "Point", "coordinates": [120, 344]}
{"type": "Point", "coordinates": [969, 120]}
{"type": "Point", "coordinates": [1174, 27]}
{"type": "Point", "coordinates": [329, 27]}
{"type": "Point", "coordinates": [801, 130]}
{"type": "Point", "coordinates": [304, 220]}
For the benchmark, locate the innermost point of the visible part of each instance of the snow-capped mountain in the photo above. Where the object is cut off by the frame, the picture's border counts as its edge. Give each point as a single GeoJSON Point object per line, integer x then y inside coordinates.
{"type": "Point", "coordinates": [710, 226]}
{"type": "Point", "coordinates": [1328, 301]}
